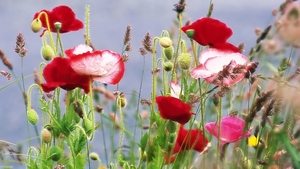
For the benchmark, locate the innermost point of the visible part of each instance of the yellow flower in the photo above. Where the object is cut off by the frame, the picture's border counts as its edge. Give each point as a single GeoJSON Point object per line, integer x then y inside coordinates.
{"type": "Point", "coordinates": [253, 141]}
{"type": "Point", "coordinates": [101, 167]}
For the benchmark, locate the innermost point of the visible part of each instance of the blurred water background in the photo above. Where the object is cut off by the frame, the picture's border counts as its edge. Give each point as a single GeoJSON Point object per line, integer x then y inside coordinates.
{"type": "Point", "coordinates": [108, 21]}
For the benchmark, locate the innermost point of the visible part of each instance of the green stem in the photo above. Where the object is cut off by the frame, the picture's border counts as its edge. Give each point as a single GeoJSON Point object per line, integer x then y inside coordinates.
{"type": "Point", "coordinates": [92, 108]}
{"type": "Point", "coordinates": [122, 128]}
{"type": "Point", "coordinates": [178, 43]}
{"type": "Point", "coordinates": [48, 29]}
{"type": "Point", "coordinates": [72, 150]}
{"type": "Point", "coordinates": [219, 116]}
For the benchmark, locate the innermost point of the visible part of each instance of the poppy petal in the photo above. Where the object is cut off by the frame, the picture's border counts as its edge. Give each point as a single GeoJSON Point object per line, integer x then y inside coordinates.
{"type": "Point", "coordinates": [171, 108]}
{"type": "Point", "coordinates": [59, 73]}
{"type": "Point", "coordinates": [209, 31]}
{"type": "Point", "coordinates": [175, 89]}
{"type": "Point", "coordinates": [105, 66]}
{"type": "Point", "coordinates": [80, 49]}
{"type": "Point", "coordinates": [200, 72]}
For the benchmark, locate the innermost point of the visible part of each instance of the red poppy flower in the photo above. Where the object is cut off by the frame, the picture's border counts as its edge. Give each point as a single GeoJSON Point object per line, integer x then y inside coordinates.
{"type": "Point", "coordinates": [104, 66]}
{"type": "Point", "coordinates": [189, 140]}
{"type": "Point", "coordinates": [174, 109]}
{"type": "Point", "coordinates": [59, 73]}
{"type": "Point", "coordinates": [62, 14]}
{"type": "Point", "coordinates": [209, 31]}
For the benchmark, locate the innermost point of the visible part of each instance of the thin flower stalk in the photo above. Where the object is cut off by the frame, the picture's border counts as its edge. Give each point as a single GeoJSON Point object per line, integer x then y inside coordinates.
{"type": "Point", "coordinates": [48, 28]}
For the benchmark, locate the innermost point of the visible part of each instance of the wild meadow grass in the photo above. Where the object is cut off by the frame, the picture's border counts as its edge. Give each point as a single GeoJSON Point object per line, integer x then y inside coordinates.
{"type": "Point", "coordinates": [211, 105]}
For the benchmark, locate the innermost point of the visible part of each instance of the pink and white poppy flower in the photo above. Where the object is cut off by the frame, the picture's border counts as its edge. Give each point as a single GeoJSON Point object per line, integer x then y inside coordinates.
{"type": "Point", "coordinates": [213, 61]}
{"type": "Point", "coordinates": [104, 66]}
{"type": "Point", "coordinates": [175, 89]}
{"type": "Point", "coordinates": [231, 129]}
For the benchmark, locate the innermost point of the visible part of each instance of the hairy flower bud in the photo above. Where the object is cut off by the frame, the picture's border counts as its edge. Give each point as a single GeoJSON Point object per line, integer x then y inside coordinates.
{"type": "Point", "coordinates": [46, 135]}
{"type": "Point", "coordinates": [165, 42]}
{"type": "Point", "coordinates": [168, 52]}
{"type": "Point", "coordinates": [171, 127]}
{"type": "Point", "coordinates": [168, 66]}
{"type": "Point", "coordinates": [184, 61]}
{"type": "Point", "coordinates": [122, 101]}
{"type": "Point", "coordinates": [94, 156]}
{"type": "Point", "coordinates": [32, 116]}
{"type": "Point", "coordinates": [47, 52]}
{"type": "Point", "coordinates": [36, 25]}
{"type": "Point", "coordinates": [55, 153]}
{"type": "Point", "coordinates": [87, 125]}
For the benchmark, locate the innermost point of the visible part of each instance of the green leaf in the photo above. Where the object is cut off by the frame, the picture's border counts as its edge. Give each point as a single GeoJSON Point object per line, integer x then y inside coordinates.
{"type": "Point", "coordinates": [144, 140]}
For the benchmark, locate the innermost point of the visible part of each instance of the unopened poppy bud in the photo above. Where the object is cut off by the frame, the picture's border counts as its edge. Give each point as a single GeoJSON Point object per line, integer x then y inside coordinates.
{"type": "Point", "coordinates": [122, 101]}
{"type": "Point", "coordinates": [171, 127]}
{"type": "Point", "coordinates": [168, 66]}
{"type": "Point", "coordinates": [55, 153]}
{"type": "Point", "coordinates": [57, 25]}
{"type": "Point", "coordinates": [247, 164]}
{"type": "Point", "coordinates": [169, 52]}
{"type": "Point", "coordinates": [36, 25]}
{"type": "Point", "coordinates": [165, 42]}
{"type": "Point", "coordinates": [216, 99]}
{"type": "Point", "coordinates": [32, 116]}
{"type": "Point", "coordinates": [184, 61]}
{"type": "Point", "coordinates": [94, 156]}
{"type": "Point", "coordinates": [87, 125]}
{"type": "Point", "coordinates": [190, 33]}
{"type": "Point", "coordinates": [142, 155]}
{"type": "Point", "coordinates": [47, 52]}
{"type": "Point", "coordinates": [46, 135]}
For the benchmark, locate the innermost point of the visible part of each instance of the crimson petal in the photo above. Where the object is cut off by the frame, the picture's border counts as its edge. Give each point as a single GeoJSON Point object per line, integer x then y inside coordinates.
{"type": "Point", "coordinates": [174, 109]}
{"type": "Point", "coordinates": [209, 31]}
{"type": "Point", "coordinates": [59, 73]}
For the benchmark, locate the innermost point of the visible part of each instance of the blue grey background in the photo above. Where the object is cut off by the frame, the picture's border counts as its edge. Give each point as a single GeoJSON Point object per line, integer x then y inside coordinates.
{"type": "Point", "coordinates": [108, 21]}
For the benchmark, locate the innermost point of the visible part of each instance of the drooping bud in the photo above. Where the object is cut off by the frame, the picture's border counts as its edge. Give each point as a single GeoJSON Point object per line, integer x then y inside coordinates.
{"type": "Point", "coordinates": [47, 52]}
{"type": "Point", "coordinates": [57, 26]}
{"type": "Point", "coordinates": [87, 125]}
{"type": "Point", "coordinates": [171, 126]}
{"type": "Point", "coordinates": [165, 42]}
{"type": "Point", "coordinates": [185, 61]}
{"type": "Point", "coordinates": [216, 99]}
{"type": "Point", "coordinates": [168, 66]}
{"type": "Point", "coordinates": [36, 25]}
{"type": "Point", "coordinates": [169, 52]}
{"type": "Point", "coordinates": [55, 153]}
{"type": "Point", "coordinates": [190, 33]}
{"type": "Point", "coordinates": [94, 156]}
{"type": "Point", "coordinates": [122, 102]}
{"type": "Point", "coordinates": [32, 116]}
{"type": "Point", "coordinates": [46, 135]}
